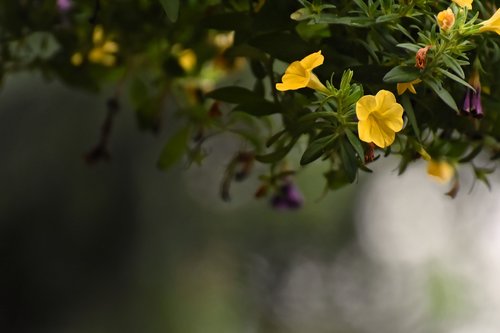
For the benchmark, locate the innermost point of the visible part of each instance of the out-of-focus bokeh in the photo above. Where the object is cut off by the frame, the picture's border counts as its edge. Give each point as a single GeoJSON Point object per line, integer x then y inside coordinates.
{"type": "Point", "coordinates": [122, 247]}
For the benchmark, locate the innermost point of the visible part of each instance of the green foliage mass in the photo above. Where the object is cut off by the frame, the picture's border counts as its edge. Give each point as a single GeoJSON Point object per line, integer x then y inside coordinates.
{"type": "Point", "coordinates": [217, 63]}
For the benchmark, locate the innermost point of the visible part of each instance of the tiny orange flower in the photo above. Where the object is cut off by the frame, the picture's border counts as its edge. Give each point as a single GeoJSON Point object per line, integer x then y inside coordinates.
{"type": "Point", "coordinates": [446, 19]}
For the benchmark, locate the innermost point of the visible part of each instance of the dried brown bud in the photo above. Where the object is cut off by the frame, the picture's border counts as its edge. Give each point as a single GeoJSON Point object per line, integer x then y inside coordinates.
{"type": "Point", "coordinates": [421, 57]}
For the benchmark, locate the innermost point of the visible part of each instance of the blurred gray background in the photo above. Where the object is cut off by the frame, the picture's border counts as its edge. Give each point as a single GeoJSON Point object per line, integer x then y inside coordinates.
{"type": "Point", "coordinates": [122, 247]}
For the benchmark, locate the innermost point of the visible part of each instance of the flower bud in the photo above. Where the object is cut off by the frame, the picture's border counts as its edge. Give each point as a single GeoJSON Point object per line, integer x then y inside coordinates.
{"type": "Point", "coordinates": [421, 57]}
{"type": "Point", "coordinates": [472, 101]}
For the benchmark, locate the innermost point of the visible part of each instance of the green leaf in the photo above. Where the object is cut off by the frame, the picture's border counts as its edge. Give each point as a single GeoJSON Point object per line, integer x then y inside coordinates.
{"type": "Point", "coordinates": [317, 148]}
{"type": "Point", "coordinates": [409, 46]}
{"type": "Point", "coordinates": [171, 8]}
{"type": "Point", "coordinates": [405, 101]}
{"type": "Point", "coordinates": [454, 65]}
{"type": "Point", "coordinates": [349, 162]}
{"type": "Point", "coordinates": [234, 95]}
{"type": "Point", "coordinates": [277, 155]}
{"type": "Point", "coordinates": [174, 149]}
{"type": "Point", "coordinates": [387, 18]}
{"type": "Point", "coordinates": [274, 138]}
{"type": "Point", "coordinates": [337, 179]}
{"type": "Point", "coordinates": [353, 139]}
{"type": "Point", "coordinates": [258, 108]}
{"type": "Point", "coordinates": [471, 155]}
{"type": "Point", "coordinates": [349, 21]}
{"type": "Point", "coordinates": [442, 93]}
{"type": "Point", "coordinates": [401, 74]}
{"type": "Point", "coordinates": [455, 78]}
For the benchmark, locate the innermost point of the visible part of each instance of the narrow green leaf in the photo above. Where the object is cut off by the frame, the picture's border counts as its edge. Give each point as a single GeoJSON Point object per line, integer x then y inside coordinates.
{"type": "Point", "coordinates": [171, 8]}
{"type": "Point", "coordinates": [337, 179]}
{"type": "Point", "coordinates": [353, 139]}
{"type": "Point", "coordinates": [442, 93]}
{"type": "Point", "coordinates": [173, 149]}
{"type": "Point", "coordinates": [277, 155]}
{"type": "Point", "coordinates": [362, 5]}
{"type": "Point", "coordinates": [455, 78]}
{"type": "Point", "coordinates": [454, 65]}
{"type": "Point", "coordinates": [469, 157]}
{"type": "Point", "coordinates": [409, 46]}
{"type": "Point", "coordinates": [349, 21]}
{"type": "Point", "coordinates": [387, 18]}
{"type": "Point", "coordinates": [405, 101]}
{"type": "Point", "coordinates": [401, 74]}
{"type": "Point", "coordinates": [317, 148]}
{"type": "Point", "coordinates": [274, 138]}
{"type": "Point", "coordinates": [349, 162]}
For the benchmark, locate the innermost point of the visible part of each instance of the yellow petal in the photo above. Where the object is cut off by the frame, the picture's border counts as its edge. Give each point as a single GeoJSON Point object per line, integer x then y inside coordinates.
{"type": "Point", "coordinates": [364, 128]}
{"type": "Point", "coordinates": [95, 55]}
{"type": "Point", "coordinates": [296, 68]}
{"type": "Point", "coordinates": [383, 136]}
{"type": "Point", "coordinates": [385, 100]}
{"type": "Point", "coordinates": [295, 77]}
{"type": "Point", "coordinates": [108, 60]}
{"type": "Point", "coordinates": [110, 47]}
{"type": "Point", "coordinates": [292, 82]}
{"type": "Point", "coordinates": [372, 130]}
{"type": "Point", "coordinates": [315, 83]}
{"type": "Point", "coordinates": [187, 60]}
{"type": "Point", "coordinates": [312, 61]}
{"type": "Point", "coordinates": [98, 34]}
{"type": "Point", "coordinates": [402, 87]}
{"type": "Point", "coordinates": [393, 118]}
{"type": "Point", "coordinates": [365, 105]}
{"type": "Point", "coordinates": [441, 171]}
{"type": "Point", "coordinates": [464, 3]}
{"type": "Point", "coordinates": [77, 59]}
{"type": "Point", "coordinates": [492, 24]}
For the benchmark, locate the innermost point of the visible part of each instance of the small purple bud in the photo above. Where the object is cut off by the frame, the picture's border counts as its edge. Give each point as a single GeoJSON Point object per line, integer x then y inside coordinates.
{"type": "Point", "coordinates": [287, 197]}
{"type": "Point", "coordinates": [476, 106]}
{"type": "Point", "coordinates": [466, 107]}
{"type": "Point", "coordinates": [64, 5]}
{"type": "Point", "coordinates": [472, 102]}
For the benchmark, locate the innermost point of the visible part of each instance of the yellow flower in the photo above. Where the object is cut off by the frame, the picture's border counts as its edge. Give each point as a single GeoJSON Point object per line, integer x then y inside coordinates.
{"type": "Point", "coordinates": [380, 117]}
{"type": "Point", "coordinates": [77, 59]}
{"type": "Point", "coordinates": [187, 60]}
{"type": "Point", "coordinates": [299, 74]}
{"type": "Point", "coordinates": [441, 171]}
{"type": "Point", "coordinates": [446, 19]}
{"type": "Point", "coordinates": [492, 24]}
{"type": "Point", "coordinates": [402, 87]}
{"type": "Point", "coordinates": [103, 50]}
{"type": "Point", "coordinates": [464, 3]}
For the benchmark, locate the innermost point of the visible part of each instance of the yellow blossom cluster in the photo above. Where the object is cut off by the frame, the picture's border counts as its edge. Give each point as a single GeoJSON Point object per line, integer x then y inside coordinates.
{"type": "Point", "coordinates": [103, 50]}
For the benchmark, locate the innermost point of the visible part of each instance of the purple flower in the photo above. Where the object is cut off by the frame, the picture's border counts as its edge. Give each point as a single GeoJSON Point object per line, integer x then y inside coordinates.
{"type": "Point", "coordinates": [64, 5]}
{"type": "Point", "coordinates": [287, 197]}
{"type": "Point", "coordinates": [472, 101]}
